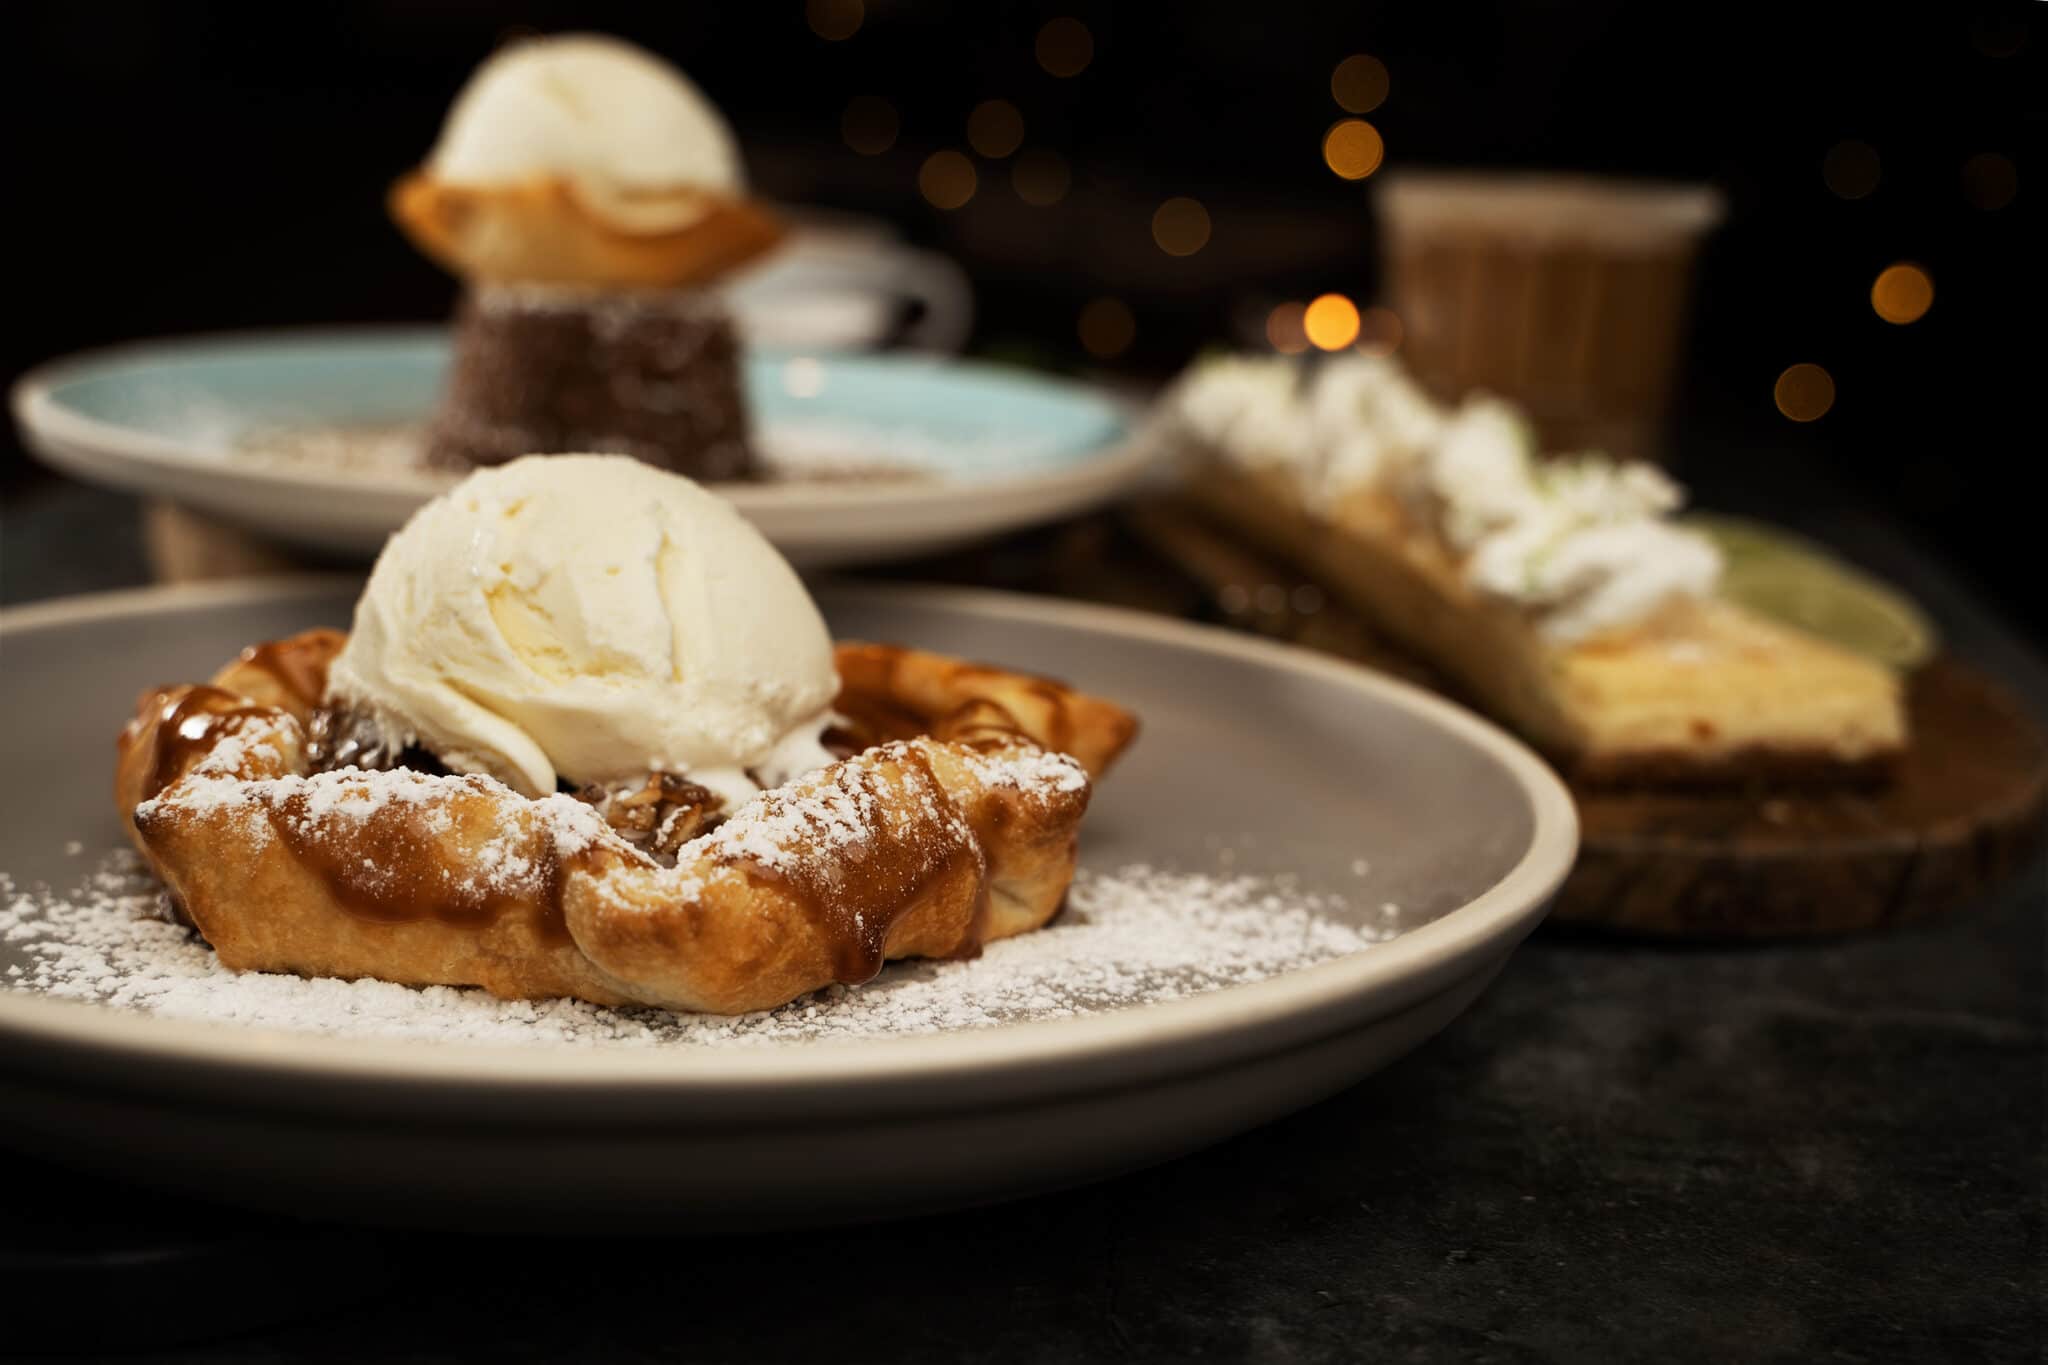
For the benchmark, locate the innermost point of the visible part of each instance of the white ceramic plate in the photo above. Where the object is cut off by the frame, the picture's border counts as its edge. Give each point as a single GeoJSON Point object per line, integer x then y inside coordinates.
{"type": "Point", "coordinates": [839, 283]}
{"type": "Point", "coordinates": [1297, 765]}
{"type": "Point", "coordinates": [183, 419]}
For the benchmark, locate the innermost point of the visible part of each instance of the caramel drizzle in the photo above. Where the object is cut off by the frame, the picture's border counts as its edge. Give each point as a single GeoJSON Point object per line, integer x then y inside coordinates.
{"type": "Point", "coordinates": [407, 878]}
{"type": "Point", "coordinates": [188, 724]}
{"type": "Point", "coordinates": [388, 870]}
{"type": "Point", "coordinates": [855, 896]}
{"type": "Point", "coordinates": [298, 663]}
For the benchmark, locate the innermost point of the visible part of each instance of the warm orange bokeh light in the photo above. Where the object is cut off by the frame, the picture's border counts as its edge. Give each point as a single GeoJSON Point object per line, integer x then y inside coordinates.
{"type": "Point", "coordinates": [1903, 293]}
{"type": "Point", "coordinates": [1285, 329]}
{"type": "Point", "coordinates": [1851, 169]}
{"type": "Point", "coordinates": [869, 124]}
{"type": "Point", "coordinates": [995, 129]}
{"type": "Point", "coordinates": [1353, 149]}
{"type": "Point", "coordinates": [1181, 226]}
{"type": "Point", "coordinates": [1331, 322]}
{"type": "Point", "coordinates": [1380, 331]}
{"type": "Point", "coordinates": [1107, 328]}
{"type": "Point", "coordinates": [946, 179]}
{"type": "Point", "coordinates": [1040, 177]}
{"type": "Point", "coordinates": [1805, 392]}
{"type": "Point", "coordinates": [1065, 47]}
{"type": "Point", "coordinates": [834, 20]}
{"type": "Point", "coordinates": [1359, 84]}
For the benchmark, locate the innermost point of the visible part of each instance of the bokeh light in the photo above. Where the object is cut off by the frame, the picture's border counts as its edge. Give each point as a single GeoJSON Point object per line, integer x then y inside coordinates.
{"type": "Point", "coordinates": [995, 129]}
{"type": "Point", "coordinates": [946, 179]}
{"type": "Point", "coordinates": [869, 124]}
{"type": "Point", "coordinates": [1107, 328]}
{"type": "Point", "coordinates": [1380, 331]}
{"type": "Point", "coordinates": [1285, 330]}
{"type": "Point", "coordinates": [1359, 84]}
{"type": "Point", "coordinates": [1903, 293]}
{"type": "Point", "coordinates": [1805, 392]}
{"type": "Point", "coordinates": [1851, 169]}
{"type": "Point", "coordinates": [1331, 322]}
{"type": "Point", "coordinates": [1353, 149]}
{"type": "Point", "coordinates": [1065, 47]}
{"type": "Point", "coordinates": [1181, 226]}
{"type": "Point", "coordinates": [1040, 177]}
{"type": "Point", "coordinates": [834, 20]}
{"type": "Point", "coordinates": [1990, 181]}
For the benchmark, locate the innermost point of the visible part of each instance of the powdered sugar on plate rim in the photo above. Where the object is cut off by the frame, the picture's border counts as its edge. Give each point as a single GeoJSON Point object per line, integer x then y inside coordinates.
{"type": "Point", "coordinates": [1131, 937]}
{"type": "Point", "coordinates": [793, 452]}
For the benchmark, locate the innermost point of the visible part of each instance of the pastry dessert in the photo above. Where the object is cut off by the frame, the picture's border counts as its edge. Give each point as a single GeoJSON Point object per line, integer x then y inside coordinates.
{"type": "Point", "coordinates": [588, 194]}
{"type": "Point", "coordinates": [588, 736]}
{"type": "Point", "coordinates": [1557, 593]}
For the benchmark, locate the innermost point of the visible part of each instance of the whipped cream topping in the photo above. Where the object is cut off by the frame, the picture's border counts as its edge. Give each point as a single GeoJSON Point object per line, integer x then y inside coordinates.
{"type": "Point", "coordinates": [590, 618]}
{"type": "Point", "coordinates": [1583, 543]}
{"type": "Point", "coordinates": [1355, 421]}
{"type": "Point", "coordinates": [1372, 423]}
{"type": "Point", "coordinates": [1247, 411]}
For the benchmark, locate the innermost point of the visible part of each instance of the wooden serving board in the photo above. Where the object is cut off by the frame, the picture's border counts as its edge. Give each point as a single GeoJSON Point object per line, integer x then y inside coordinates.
{"type": "Point", "coordinates": [1966, 810]}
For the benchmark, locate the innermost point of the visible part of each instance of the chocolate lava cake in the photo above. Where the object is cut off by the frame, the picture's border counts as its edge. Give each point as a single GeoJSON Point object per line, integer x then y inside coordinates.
{"type": "Point", "coordinates": [650, 373]}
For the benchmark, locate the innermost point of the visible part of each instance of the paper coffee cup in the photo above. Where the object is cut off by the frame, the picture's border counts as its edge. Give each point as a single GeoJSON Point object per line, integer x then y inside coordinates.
{"type": "Point", "coordinates": [1564, 293]}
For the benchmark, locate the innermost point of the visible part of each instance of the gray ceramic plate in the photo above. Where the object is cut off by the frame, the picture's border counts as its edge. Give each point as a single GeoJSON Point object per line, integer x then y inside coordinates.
{"type": "Point", "coordinates": [1297, 764]}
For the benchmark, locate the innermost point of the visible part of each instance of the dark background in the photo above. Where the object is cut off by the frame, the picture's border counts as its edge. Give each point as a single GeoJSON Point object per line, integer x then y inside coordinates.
{"type": "Point", "coordinates": [188, 167]}
{"type": "Point", "coordinates": [1804, 1152]}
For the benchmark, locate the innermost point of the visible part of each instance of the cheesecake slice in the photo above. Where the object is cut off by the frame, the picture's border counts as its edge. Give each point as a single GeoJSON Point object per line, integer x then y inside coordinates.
{"type": "Point", "coordinates": [1558, 596]}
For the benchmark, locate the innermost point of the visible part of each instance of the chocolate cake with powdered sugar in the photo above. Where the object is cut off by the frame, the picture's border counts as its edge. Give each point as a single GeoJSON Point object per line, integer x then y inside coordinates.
{"type": "Point", "coordinates": [654, 374]}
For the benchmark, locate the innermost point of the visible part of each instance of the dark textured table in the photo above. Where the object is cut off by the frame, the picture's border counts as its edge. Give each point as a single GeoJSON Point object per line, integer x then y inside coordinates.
{"type": "Point", "coordinates": [1831, 1150]}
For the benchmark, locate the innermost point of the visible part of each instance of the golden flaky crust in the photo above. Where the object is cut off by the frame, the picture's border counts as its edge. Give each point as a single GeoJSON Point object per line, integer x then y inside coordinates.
{"type": "Point", "coordinates": [896, 693]}
{"type": "Point", "coordinates": [914, 846]}
{"type": "Point", "coordinates": [544, 232]}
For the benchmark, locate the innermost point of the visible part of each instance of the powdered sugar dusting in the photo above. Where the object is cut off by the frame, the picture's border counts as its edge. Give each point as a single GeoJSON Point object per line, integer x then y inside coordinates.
{"type": "Point", "coordinates": [312, 801]}
{"type": "Point", "coordinates": [573, 825]}
{"type": "Point", "coordinates": [787, 452]}
{"type": "Point", "coordinates": [815, 817]}
{"type": "Point", "coordinates": [1027, 768]}
{"type": "Point", "coordinates": [374, 448]}
{"type": "Point", "coordinates": [1130, 937]}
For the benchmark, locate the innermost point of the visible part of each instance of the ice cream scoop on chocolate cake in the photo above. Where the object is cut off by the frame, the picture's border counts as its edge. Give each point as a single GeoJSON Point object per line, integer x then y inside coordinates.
{"type": "Point", "coordinates": [589, 195]}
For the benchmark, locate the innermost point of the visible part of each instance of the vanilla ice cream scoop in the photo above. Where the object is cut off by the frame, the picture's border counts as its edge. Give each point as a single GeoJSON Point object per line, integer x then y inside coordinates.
{"type": "Point", "coordinates": [590, 618]}
{"type": "Point", "coordinates": [600, 112]}
{"type": "Point", "coordinates": [582, 160]}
